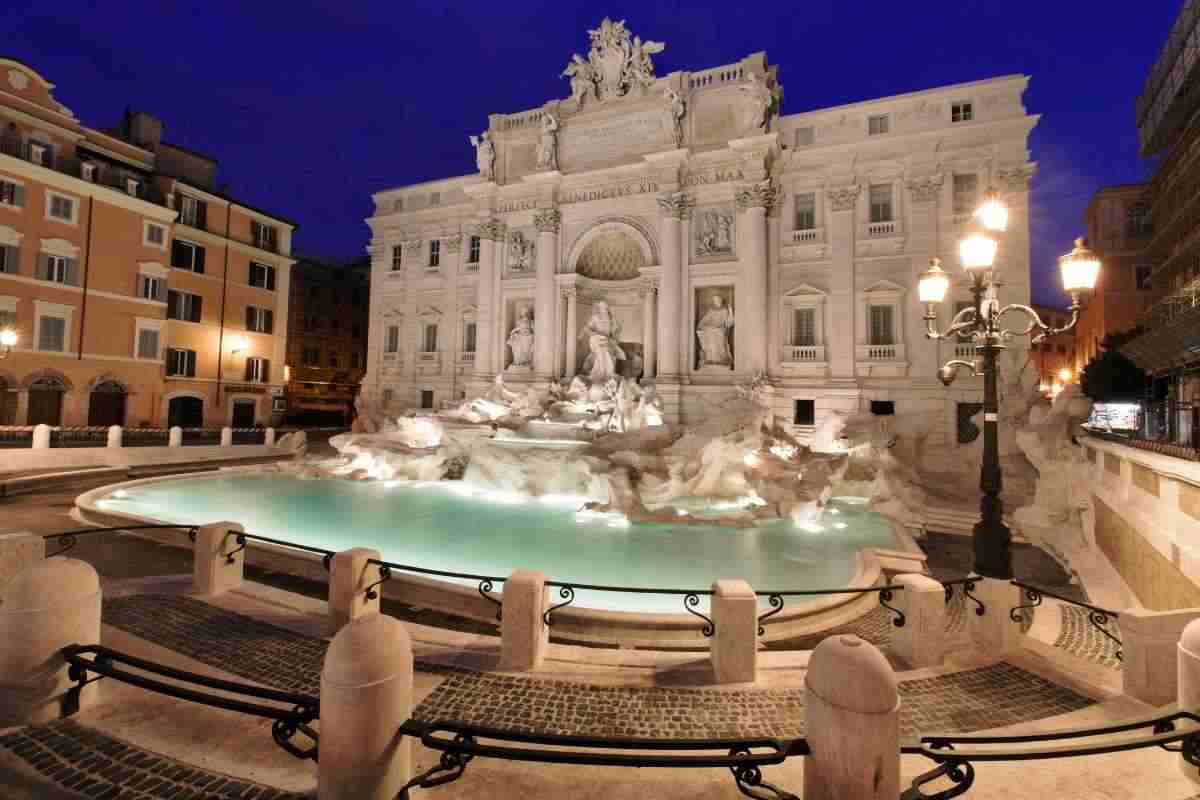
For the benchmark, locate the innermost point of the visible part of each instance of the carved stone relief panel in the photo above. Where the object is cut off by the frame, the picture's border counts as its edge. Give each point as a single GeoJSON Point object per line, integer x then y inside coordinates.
{"type": "Point", "coordinates": [713, 235]}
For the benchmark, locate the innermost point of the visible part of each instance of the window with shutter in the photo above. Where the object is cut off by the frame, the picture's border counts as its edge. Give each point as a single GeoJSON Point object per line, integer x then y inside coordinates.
{"type": "Point", "coordinates": [9, 257]}
{"type": "Point", "coordinates": [147, 344]}
{"type": "Point", "coordinates": [258, 370]}
{"type": "Point", "coordinates": [52, 334]}
{"type": "Point", "coordinates": [881, 325]}
{"type": "Point", "coordinates": [262, 276]}
{"type": "Point", "coordinates": [55, 269]}
{"type": "Point", "coordinates": [12, 194]}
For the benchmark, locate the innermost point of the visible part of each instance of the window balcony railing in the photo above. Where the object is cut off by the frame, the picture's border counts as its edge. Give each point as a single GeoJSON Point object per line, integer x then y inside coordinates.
{"type": "Point", "coordinates": [886, 228]}
{"type": "Point", "coordinates": [801, 353]}
{"type": "Point", "coordinates": [467, 358]}
{"type": "Point", "coordinates": [808, 236]}
{"type": "Point", "coordinates": [472, 266]}
{"type": "Point", "coordinates": [880, 352]}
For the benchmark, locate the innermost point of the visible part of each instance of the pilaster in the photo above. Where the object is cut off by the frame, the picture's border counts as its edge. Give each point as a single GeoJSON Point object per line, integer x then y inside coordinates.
{"type": "Point", "coordinates": [841, 202]}
{"type": "Point", "coordinates": [674, 207]}
{"type": "Point", "coordinates": [547, 223]}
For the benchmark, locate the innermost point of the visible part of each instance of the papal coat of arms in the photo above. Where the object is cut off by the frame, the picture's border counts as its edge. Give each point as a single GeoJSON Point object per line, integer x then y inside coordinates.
{"type": "Point", "coordinates": [617, 64]}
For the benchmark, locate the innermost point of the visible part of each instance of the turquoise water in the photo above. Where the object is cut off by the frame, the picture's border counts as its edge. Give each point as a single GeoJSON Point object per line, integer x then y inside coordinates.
{"type": "Point", "coordinates": [445, 526]}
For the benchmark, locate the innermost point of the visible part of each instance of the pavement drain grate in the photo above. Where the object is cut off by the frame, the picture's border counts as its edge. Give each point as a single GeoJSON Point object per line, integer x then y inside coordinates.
{"type": "Point", "coordinates": [94, 764]}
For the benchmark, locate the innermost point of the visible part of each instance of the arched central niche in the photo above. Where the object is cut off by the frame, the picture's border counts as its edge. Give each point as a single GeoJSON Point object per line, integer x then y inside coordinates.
{"type": "Point", "coordinates": [612, 250]}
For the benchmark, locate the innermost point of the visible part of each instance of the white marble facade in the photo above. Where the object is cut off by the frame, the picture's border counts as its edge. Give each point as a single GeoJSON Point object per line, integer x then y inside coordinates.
{"type": "Point", "coordinates": [667, 197]}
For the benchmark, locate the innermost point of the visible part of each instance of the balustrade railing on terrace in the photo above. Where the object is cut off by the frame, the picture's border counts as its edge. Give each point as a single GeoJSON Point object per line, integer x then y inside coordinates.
{"type": "Point", "coordinates": [803, 352]}
{"type": "Point", "coordinates": [708, 77]}
{"type": "Point", "coordinates": [886, 228]}
{"type": "Point", "coordinates": [880, 352]}
{"type": "Point", "coordinates": [808, 236]}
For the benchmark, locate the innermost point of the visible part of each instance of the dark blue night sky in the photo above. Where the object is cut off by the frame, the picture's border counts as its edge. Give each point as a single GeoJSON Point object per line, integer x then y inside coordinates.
{"type": "Point", "coordinates": [311, 107]}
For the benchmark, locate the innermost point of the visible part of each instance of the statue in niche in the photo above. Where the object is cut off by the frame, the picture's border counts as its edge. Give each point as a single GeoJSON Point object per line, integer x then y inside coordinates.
{"type": "Point", "coordinates": [583, 79]}
{"type": "Point", "coordinates": [715, 233]}
{"type": "Point", "coordinates": [676, 109]}
{"type": "Point", "coordinates": [603, 333]}
{"type": "Point", "coordinates": [547, 149]}
{"type": "Point", "coordinates": [763, 99]}
{"type": "Point", "coordinates": [713, 334]}
{"type": "Point", "coordinates": [520, 252]}
{"type": "Point", "coordinates": [485, 155]}
{"type": "Point", "coordinates": [520, 339]}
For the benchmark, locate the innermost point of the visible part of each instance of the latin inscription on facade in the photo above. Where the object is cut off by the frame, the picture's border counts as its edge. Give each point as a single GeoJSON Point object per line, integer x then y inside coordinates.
{"type": "Point", "coordinates": [606, 192]}
{"type": "Point", "coordinates": [714, 176]}
{"type": "Point", "coordinates": [517, 205]}
{"type": "Point", "coordinates": [639, 132]}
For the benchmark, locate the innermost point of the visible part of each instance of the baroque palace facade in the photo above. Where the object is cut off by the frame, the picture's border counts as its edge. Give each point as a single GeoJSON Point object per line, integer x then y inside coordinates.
{"type": "Point", "coordinates": [140, 293]}
{"type": "Point", "coordinates": [725, 239]}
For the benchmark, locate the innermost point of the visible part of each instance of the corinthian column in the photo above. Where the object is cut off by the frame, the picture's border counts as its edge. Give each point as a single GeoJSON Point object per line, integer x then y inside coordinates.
{"type": "Point", "coordinates": [750, 331]}
{"type": "Point", "coordinates": [674, 206]}
{"type": "Point", "coordinates": [841, 200]}
{"type": "Point", "coordinates": [546, 222]}
{"type": "Point", "coordinates": [490, 232]}
{"type": "Point", "coordinates": [572, 295]}
{"type": "Point", "coordinates": [923, 192]}
{"type": "Point", "coordinates": [649, 350]}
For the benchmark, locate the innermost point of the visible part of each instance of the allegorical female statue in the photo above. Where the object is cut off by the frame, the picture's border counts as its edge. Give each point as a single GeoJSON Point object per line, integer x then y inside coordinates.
{"type": "Point", "coordinates": [547, 149]}
{"type": "Point", "coordinates": [485, 155]}
{"type": "Point", "coordinates": [520, 340]}
{"type": "Point", "coordinates": [713, 333]}
{"type": "Point", "coordinates": [604, 335]}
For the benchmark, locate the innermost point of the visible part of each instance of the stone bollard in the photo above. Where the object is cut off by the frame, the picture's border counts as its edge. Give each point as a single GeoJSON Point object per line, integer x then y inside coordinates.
{"type": "Point", "coordinates": [366, 695]}
{"type": "Point", "coordinates": [349, 577]}
{"type": "Point", "coordinates": [1188, 675]}
{"type": "Point", "coordinates": [922, 640]}
{"type": "Point", "coordinates": [523, 633]}
{"type": "Point", "coordinates": [226, 437]}
{"type": "Point", "coordinates": [41, 437]}
{"type": "Point", "coordinates": [175, 437]}
{"type": "Point", "coordinates": [1150, 651]}
{"type": "Point", "coordinates": [54, 603]}
{"type": "Point", "coordinates": [19, 550]}
{"type": "Point", "coordinates": [212, 570]}
{"type": "Point", "coordinates": [269, 437]}
{"type": "Point", "coordinates": [994, 633]}
{"type": "Point", "coordinates": [852, 723]}
{"type": "Point", "coordinates": [734, 643]}
{"type": "Point", "coordinates": [115, 435]}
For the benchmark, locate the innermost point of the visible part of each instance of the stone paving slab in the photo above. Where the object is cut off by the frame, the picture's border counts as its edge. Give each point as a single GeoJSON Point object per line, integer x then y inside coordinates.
{"type": "Point", "coordinates": [94, 764]}
{"type": "Point", "coordinates": [1080, 638]}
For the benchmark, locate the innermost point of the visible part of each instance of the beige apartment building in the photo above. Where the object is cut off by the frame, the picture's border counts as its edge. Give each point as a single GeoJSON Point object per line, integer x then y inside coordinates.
{"type": "Point", "coordinates": [140, 294]}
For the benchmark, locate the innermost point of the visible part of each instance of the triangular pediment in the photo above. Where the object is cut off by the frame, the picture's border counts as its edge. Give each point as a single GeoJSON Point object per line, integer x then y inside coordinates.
{"type": "Point", "coordinates": [805, 290]}
{"type": "Point", "coordinates": [883, 286]}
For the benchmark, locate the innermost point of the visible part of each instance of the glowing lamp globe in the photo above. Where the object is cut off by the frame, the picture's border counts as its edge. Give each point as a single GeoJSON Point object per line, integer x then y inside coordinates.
{"type": "Point", "coordinates": [977, 251]}
{"type": "Point", "coordinates": [1079, 268]}
{"type": "Point", "coordinates": [8, 338]}
{"type": "Point", "coordinates": [934, 283]}
{"type": "Point", "coordinates": [1064, 375]}
{"type": "Point", "coordinates": [993, 214]}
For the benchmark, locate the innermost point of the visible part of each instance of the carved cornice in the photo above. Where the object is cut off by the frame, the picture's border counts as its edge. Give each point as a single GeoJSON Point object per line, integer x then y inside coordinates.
{"type": "Point", "coordinates": [453, 243]}
{"type": "Point", "coordinates": [1016, 179]}
{"type": "Point", "coordinates": [412, 246]}
{"type": "Point", "coordinates": [547, 220]}
{"type": "Point", "coordinates": [925, 188]}
{"type": "Point", "coordinates": [675, 204]}
{"type": "Point", "coordinates": [842, 198]}
{"type": "Point", "coordinates": [757, 195]}
{"type": "Point", "coordinates": [493, 229]}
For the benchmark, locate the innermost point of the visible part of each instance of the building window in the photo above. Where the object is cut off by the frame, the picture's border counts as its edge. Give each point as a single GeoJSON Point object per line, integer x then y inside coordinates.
{"type": "Point", "coordinates": [260, 320]}
{"type": "Point", "coordinates": [469, 338]}
{"type": "Point", "coordinates": [8, 318]}
{"type": "Point", "coordinates": [186, 255]}
{"type": "Point", "coordinates": [878, 124]}
{"type": "Point", "coordinates": [58, 269]}
{"type": "Point", "coordinates": [152, 288]}
{"type": "Point", "coordinates": [88, 171]}
{"type": "Point", "coordinates": [147, 343]}
{"type": "Point", "coordinates": [804, 136]}
{"type": "Point", "coordinates": [258, 370]}
{"type": "Point", "coordinates": [966, 194]}
{"type": "Point", "coordinates": [154, 235]}
{"type": "Point", "coordinates": [426, 398]}
{"type": "Point", "coordinates": [181, 363]}
{"type": "Point", "coordinates": [435, 199]}
{"type": "Point", "coordinates": [333, 360]}
{"type": "Point", "coordinates": [1137, 220]}
{"type": "Point", "coordinates": [473, 250]}
{"type": "Point", "coordinates": [193, 212]}
{"type": "Point", "coordinates": [62, 208]}
{"type": "Point", "coordinates": [388, 394]}
{"type": "Point", "coordinates": [961, 112]}
{"type": "Point", "coordinates": [265, 237]}
{"type": "Point", "coordinates": [1141, 276]}
{"type": "Point", "coordinates": [806, 211]}
{"type": "Point", "coordinates": [429, 341]}
{"type": "Point", "coordinates": [881, 331]}
{"type": "Point", "coordinates": [804, 412]}
{"type": "Point", "coordinates": [262, 276]}
{"type": "Point", "coordinates": [881, 202]}
{"type": "Point", "coordinates": [435, 254]}
{"type": "Point", "coordinates": [9, 259]}
{"type": "Point", "coordinates": [883, 408]}
{"type": "Point", "coordinates": [804, 327]}
{"type": "Point", "coordinates": [12, 194]}
{"type": "Point", "coordinates": [397, 257]}
{"type": "Point", "coordinates": [392, 339]}
{"type": "Point", "coordinates": [52, 334]}
{"type": "Point", "coordinates": [184, 306]}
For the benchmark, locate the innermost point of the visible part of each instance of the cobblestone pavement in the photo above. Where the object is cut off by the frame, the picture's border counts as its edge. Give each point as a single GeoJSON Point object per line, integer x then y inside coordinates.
{"type": "Point", "coordinates": [1080, 638]}
{"type": "Point", "coordinates": [96, 765]}
{"type": "Point", "coordinates": [972, 700]}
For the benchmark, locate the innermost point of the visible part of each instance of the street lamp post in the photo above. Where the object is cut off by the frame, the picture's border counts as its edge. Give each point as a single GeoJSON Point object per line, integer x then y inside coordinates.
{"type": "Point", "coordinates": [982, 322]}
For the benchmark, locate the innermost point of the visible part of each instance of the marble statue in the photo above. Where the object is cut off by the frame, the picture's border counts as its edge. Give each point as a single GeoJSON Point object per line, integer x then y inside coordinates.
{"type": "Point", "coordinates": [764, 100]}
{"type": "Point", "coordinates": [603, 333]}
{"type": "Point", "coordinates": [714, 233]}
{"type": "Point", "coordinates": [641, 67]}
{"type": "Point", "coordinates": [713, 333]}
{"type": "Point", "coordinates": [520, 252]}
{"type": "Point", "coordinates": [485, 155]}
{"type": "Point", "coordinates": [520, 340]}
{"type": "Point", "coordinates": [676, 109]}
{"type": "Point", "coordinates": [547, 149]}
{"type": "Point", "coordinates": [583, 79]}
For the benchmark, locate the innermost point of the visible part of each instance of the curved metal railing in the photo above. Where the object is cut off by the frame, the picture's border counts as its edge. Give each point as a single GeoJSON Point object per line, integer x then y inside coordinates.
{"type": "Point", "coordinates": [241, 538]}
{"type": "Point", "coordinates": [486, 583]}
{"type": "Point", "coordinates": [68, 539]}
{"type": "Point", "coordinates": [1098, 617]}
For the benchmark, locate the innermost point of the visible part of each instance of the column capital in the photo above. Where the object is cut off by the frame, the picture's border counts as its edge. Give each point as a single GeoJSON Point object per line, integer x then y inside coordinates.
{"type": "Point", "coordinates": [569, 292]}
{"type": "Point", "coordinates": [492, 229]}
{"type": "Point", "coordinates": [648, 286]}
{"type": "Point", "coordinates": [677, 205]}
{"type": "Point", "coordinates": [547, 220]}
{"type": "Point", "coordinates": [925, 188]}
{"type": "Point", "coordinates": [1016, 179]}
{"type": "Point", "coordinates": [842, 198]}
{"type": "Point", "coordinates": [763, 194]}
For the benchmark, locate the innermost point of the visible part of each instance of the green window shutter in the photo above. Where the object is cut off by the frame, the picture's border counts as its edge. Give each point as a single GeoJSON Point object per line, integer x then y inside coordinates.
{"type": "Point", "coordinates": [72, 271]}
{"type": "Point", "coordinates": [266, 370]}
{"type": "Point", "coordinates": [43, 267]}
{"type": "Point", "coordinates": [19, 196]}
{"type": "Point", "coordinates": [9, 256]}
{"type": "Point", "coordinates": [200, 260]}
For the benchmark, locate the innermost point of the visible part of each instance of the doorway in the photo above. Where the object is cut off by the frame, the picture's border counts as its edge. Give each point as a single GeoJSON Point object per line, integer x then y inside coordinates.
{"type": "Point", "coordinates": [106, 404]}
{"type": "Point", "coordinates": [243, 413]}
{"type": "Point", "coordinates": [185, 412]}
{"type": "Point", "coordinates": [46, 401]}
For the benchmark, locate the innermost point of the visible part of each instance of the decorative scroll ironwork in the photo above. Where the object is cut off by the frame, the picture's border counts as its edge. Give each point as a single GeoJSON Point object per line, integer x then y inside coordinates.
{"type": "Point", "coordinates": [690, 601]}
{"type": "Point", "coordinates": [567, 593]}
{"type": "Point", "coordinates": [886, 595]}
{"type": "Point", "coordinates": [240, 540]}
{"type": "Point", "coordinates": [776, 603]}
{"type": "Point", "coordinates": [960, 773]}
{"type": "Point", "coordinates": [1098, 617]}
{"type": "Point", "coordinates": [968, 585]}
{"type": "Point", "coordinates": [68, 539]}
{"type": "Point", "coordinates": [749, 778]}
{"type": "Point", "coordinates": [485, 586]}
{"type": "Point", "coordinates": [385, 574]}
{"type": "Point", "coordinates": [1035, 599]}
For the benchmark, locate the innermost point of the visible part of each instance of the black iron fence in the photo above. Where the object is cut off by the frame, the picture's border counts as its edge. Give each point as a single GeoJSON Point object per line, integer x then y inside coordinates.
{"type": "Point", "coordinates": [486, 584]}
{"type": "Point", "coordinates": [68, 539]}
{"type": "Point", "coordinates": [240, 540]}
{"type": "Point", "coordinates": [1098, 617]}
